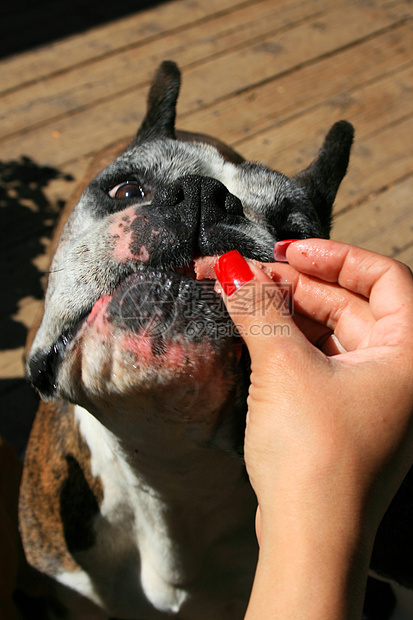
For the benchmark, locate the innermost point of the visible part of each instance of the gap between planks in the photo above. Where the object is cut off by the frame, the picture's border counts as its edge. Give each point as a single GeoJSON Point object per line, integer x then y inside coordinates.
{"type": "Point", "coordinates": [125, 110]}
{"type": "Point", "coordinates": [76, 50]}
{"type": "Point", "coordinates": [84, 87]}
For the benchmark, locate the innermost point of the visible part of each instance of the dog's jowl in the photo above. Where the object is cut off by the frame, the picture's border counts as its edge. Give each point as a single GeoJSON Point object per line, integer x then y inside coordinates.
{"type": "Point", "coordinates": [135, 500]}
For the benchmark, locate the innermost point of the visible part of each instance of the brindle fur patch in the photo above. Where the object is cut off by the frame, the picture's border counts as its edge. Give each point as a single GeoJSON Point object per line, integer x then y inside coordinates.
{"type": "Point", "coordinates": [59, 495]}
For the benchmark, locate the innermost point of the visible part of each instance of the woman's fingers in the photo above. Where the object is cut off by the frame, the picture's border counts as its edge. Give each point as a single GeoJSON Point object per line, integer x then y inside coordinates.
{"type": "Point", "coordinates": [327, 304]}
{"type": "Point", "coordinates": [329, 283]}
{"type": "Point", "coordinates": [384, 282]}
{"type": "Point", "coordinates": [346, 314]}
{"type": "Point", "coordinates": [319, 335]}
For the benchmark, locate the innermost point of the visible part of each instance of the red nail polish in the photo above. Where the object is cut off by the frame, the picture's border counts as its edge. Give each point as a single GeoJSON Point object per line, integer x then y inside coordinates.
{"type": "Point", "coordinates": [232, 271]}
{"type": "Point", "coordinates": [280, 249]}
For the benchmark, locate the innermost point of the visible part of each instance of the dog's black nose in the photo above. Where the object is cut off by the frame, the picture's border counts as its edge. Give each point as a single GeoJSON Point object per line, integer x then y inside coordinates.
{"type": "Point", "coordinates": [215, 200]}
{"type": "Point", "coordinates": [196, 192]}
{"type": "Point", "coordinates": [200, 210]}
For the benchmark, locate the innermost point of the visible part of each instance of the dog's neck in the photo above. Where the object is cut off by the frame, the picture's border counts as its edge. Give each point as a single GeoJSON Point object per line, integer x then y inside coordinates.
{"type": "Point", "coordinates": [151, 482]}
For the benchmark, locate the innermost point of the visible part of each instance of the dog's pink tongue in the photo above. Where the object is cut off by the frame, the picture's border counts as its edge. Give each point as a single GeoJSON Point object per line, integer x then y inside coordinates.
{"type": "Point", "coordinates": [204, 267]}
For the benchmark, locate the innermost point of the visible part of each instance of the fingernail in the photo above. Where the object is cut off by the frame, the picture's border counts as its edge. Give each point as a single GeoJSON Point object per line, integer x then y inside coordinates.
{"type": "Point", "coordinates": [280, 249]}
{"type": "Point", "coordinates": [232, 271]}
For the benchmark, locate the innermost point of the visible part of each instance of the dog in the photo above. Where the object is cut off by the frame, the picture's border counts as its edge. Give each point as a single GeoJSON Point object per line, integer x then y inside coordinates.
{"type": "Point", "coordinates": [134, 500]}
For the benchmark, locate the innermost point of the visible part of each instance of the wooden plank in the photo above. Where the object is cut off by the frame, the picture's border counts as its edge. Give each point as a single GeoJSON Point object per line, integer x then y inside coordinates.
{"type": "Point", "coordinates": [86, 131]}
{"type": "Point", "coordinates": [58, 192]}
{"type": "Point", "coordinates": [294, 92]}
{"type": "Point", "coordinates": [377, 160]}
{"type": "Point", "coordinates": [383, 223]}
{"type": "Point", "coordinates": [134, 29]}
{"type": "Point", "coordinates": [105, 78]}
{"type": "Point", "coordinates": [370, 108]}
{"type": "Point", "coordinates": [11, 363]}
{"type": "Point", "coordinates": [11, 359]}
{"type": "Point", "coordinates": [246, 68]}
{"type": "Point", "coordinates": [406, 256]}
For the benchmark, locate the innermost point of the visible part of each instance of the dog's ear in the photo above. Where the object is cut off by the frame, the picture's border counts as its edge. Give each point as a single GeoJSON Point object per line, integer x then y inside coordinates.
{"type": "Point", "coordinates": [322, 178]}
{"type": "Point", "coordinates": [159, 121]}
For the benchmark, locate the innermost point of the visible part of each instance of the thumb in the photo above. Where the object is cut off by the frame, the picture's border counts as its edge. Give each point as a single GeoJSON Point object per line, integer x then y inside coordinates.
{"type": "Point", "coordinates": [259, 307]}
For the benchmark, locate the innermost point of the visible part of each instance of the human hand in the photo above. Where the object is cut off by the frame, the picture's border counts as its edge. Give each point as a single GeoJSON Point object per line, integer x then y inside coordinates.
{"type": "Point", "coordinates": [328, 435]}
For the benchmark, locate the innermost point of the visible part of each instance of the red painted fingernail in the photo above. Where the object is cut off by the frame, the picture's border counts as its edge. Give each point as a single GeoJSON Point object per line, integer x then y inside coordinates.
{"type": "Point", "coordinates": [280, 249]}
{"type": "Point", "coordinates": [232, 271]}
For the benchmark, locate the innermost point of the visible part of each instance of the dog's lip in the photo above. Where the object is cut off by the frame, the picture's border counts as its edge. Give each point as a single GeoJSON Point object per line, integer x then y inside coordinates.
{"type": "Point", "coordinates": [200, 268]}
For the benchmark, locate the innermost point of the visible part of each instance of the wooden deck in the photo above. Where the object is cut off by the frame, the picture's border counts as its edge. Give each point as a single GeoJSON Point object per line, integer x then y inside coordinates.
{"type": "Point", "coordinates": [267, 76]}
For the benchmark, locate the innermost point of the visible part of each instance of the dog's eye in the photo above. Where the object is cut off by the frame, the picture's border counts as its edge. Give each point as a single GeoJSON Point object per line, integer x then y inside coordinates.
{"type": "Point", "coordinates": [129, 189]}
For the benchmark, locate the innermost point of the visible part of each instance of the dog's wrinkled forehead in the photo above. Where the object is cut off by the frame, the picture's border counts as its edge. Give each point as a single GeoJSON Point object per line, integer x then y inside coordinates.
{"type": "Point", "coordinates": [168, 159]}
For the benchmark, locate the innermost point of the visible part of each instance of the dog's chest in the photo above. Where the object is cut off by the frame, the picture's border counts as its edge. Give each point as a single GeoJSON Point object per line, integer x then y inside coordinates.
{"type": "Point", "coordinates": [154, 547]}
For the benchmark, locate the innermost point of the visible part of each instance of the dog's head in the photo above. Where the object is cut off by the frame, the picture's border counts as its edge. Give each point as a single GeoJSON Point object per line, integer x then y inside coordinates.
{"type": "Point", "coordinates": [127, 310]}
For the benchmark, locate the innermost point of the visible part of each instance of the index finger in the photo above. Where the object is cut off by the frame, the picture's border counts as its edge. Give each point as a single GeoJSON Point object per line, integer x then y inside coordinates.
{"type": "Point", "coordinates": [387, 283]}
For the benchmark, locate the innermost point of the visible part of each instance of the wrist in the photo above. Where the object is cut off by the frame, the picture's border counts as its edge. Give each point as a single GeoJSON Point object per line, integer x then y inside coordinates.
{"type": "Point", "coordinates": [313, 563]}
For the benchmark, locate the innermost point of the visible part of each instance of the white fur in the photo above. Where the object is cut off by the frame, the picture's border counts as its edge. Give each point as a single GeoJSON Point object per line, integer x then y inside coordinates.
{"type": "Point", "coordinates": [122, 532]}
{"type": "Point", "coordinates": [79, 581]}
